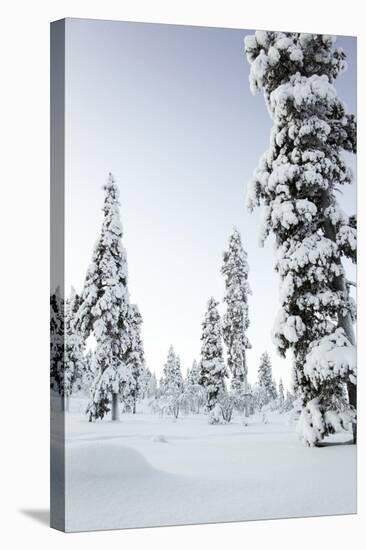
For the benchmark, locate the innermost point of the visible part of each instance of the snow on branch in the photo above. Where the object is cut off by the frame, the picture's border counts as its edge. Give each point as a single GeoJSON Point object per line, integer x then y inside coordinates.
{"type": "Point", "coordinates": [333, 356]}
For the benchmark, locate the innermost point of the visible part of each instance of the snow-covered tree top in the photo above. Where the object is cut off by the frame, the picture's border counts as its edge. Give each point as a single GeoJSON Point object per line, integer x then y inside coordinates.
{"type": "Point", "coordinates": [235, 264]}
{"type": "Point", "coordinates": [105, 294]}
{"type": "Point", "coordinates": [274, 56]}
{"type": "Point", "coordinates": [172, 379]}
{"type": "Point", "coordinates": [211, 333]}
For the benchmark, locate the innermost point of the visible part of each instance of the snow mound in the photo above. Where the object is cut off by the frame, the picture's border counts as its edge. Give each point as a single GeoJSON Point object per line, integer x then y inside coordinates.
{"type": "Point", "coordinates": [159, 439]}
{"type": "Point", "coordinates": [109, 460]}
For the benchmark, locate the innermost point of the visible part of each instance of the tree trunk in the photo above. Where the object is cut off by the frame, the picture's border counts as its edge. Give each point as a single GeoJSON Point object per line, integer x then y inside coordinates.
{"type": "Point", "coordinates": [115, 408]}
{"type": "Point", "coordinates": [67, 403]}
{"type": "Point", "coordinates": [134, 406]}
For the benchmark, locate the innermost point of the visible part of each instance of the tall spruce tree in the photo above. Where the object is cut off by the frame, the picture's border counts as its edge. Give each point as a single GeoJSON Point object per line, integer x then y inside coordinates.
{"type": "Point", "coordinates": [265, 379]}
{"type": "Point", "coordinates": [297, 182]}
{"type": "Point", "coordinates": [212, 367]}
{"type": "Point", "coordinates": [236, 320]}
{"type": "Point", "coordinates": [105, 311]}
{"type": "Point", "coordinates": [172, 381]}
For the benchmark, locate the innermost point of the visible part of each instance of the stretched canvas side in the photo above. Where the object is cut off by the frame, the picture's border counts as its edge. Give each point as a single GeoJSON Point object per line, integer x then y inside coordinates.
{"type": "Point", "coordinates": [57, 275]}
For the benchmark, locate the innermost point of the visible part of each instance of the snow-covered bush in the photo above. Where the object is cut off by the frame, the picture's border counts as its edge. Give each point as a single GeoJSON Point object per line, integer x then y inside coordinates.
{"type": "Point", "coordinates": [227, 403]}
{"type": "Point", "coordinates": [296, 182]}
{"type": "Point", "coordinates": [215, 415]}
{"type": "Point", "coordinates": [194, 392]}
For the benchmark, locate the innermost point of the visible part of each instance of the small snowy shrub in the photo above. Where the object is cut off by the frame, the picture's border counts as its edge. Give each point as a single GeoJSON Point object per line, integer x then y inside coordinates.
{"type": "Point", "coordinates": [215, 415]}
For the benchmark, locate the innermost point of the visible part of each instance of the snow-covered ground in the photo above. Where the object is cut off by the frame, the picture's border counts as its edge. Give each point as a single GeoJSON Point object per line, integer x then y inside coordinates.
{"type": "Point", "coordinates": [146, 470]}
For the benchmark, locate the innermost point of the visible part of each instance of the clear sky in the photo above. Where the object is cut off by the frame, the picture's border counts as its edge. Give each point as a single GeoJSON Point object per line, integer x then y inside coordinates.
{"type": "Point", "coordinates": [168, 110]}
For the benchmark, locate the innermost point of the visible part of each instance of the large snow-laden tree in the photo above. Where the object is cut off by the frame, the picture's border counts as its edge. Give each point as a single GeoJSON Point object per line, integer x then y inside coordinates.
{"type": "Point", "coordinates": [236, 319]}
{"type": "Point", "coordinates": [171, 384]}
{"type": "Point", "coordinates": [105, 311]}
{"type": "Point", "coordinates": [212, 367]}
{"type": "Point", "coordinates": [297, 182]}
{"type": "Point", "coordinates": [74, 349]}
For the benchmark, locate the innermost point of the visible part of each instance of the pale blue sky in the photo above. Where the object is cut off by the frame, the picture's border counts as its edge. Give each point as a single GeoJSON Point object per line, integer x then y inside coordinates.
{"type": "Point", "coordinates": [168, 110]}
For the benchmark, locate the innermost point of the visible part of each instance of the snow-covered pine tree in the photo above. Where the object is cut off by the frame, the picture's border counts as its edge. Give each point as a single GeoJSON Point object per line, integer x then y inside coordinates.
{"type": "Point", "coordinates": [236, 320]}
{"type": "Point", "coordinates": [74, 349]}
{"type": "Point", "coordinates": [265, 380]}
{"type": "Point", "coordinates": [212, 367]}
{"type": "Point", "coordinates": [297, 181]}
{"type": "Point", "coordinates": [172, 382]}
{"type": "Point", "coordinates": [144, 383]}
{"type": "Point", "coordinates": [57, 343]}
{"type": "Point", "coordinates": [193, 374]}
{"type": "Point", "coordinates": [105, 310]}
{"type": "Point", "coordinates": [135, 359]}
